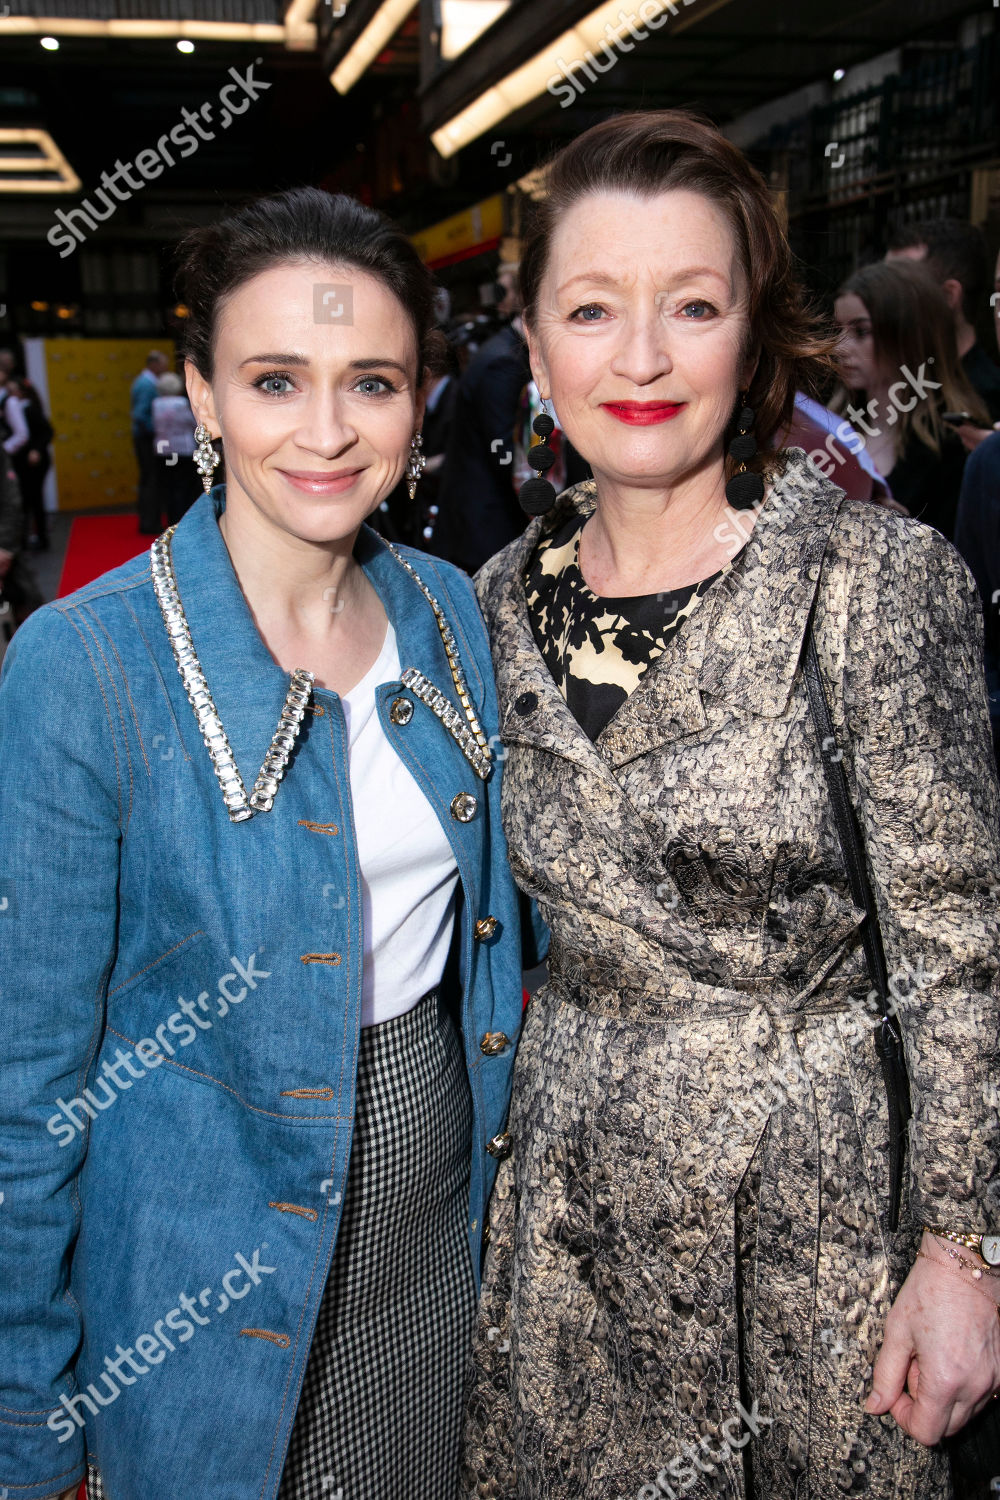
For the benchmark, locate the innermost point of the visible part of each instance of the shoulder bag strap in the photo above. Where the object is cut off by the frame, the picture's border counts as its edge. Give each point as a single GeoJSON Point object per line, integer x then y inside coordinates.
{"type": "Point", "coordinates": [889, 1042]}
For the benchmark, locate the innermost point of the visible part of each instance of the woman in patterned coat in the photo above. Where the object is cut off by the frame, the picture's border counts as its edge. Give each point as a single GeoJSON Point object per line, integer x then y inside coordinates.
{"type": "Point", "coordinates": [691, 1272]}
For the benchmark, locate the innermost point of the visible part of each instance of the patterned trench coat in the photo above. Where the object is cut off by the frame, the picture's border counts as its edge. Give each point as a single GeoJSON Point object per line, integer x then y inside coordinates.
{"type": "Point", "coordinates": [689, 1242]}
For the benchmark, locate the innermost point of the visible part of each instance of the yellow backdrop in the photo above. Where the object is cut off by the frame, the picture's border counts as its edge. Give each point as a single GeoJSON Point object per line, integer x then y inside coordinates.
{"type": "Point", "coordinates": [89, 383]}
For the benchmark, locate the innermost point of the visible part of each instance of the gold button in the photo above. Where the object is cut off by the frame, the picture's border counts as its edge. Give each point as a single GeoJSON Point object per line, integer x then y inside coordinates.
{"type": "Point", "coordinates": [464, 807]}
{"type": "Point", "coordinates": [485, 928]}
{"type": "Point", "coordinates": [401, 711]}
{"type": "Point", "coordinates": [500, 1145]}
{"type": "Point", "coordinates": [494, 1042]}
{"type": "Point", "coordinates": [486, 1233]}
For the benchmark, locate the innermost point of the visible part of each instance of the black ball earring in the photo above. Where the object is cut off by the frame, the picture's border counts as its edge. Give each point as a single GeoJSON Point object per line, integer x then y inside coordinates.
{"type": "Point", "coordinates": [536, 496]}
{"type": "Point", "coordinates": [744, 490]}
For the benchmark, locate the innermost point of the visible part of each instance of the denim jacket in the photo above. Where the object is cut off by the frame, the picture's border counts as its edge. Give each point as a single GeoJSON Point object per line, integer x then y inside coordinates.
{"type": "Point", "coordinates": [172, 1229]}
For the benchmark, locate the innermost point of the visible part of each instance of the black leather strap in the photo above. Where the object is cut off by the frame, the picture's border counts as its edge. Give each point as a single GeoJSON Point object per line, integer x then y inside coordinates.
{"type": "Point", "coordinates": [888, 1040]}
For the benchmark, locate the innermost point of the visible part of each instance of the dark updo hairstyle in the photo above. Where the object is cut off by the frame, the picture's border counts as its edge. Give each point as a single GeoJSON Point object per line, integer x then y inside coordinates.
{"type": "Point", "coordinates": [301, 224]}
{"type": "Point", "coordinates": [646, 153]}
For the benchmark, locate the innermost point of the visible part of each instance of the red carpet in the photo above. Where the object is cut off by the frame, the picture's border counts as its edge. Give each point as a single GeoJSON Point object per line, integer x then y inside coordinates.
{"type": "Point", "coordinates": [97, 543]}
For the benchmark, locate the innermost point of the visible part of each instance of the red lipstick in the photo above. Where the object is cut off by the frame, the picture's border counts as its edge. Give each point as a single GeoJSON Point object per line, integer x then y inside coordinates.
{"type": "Point", "coordinates": [644, 413]}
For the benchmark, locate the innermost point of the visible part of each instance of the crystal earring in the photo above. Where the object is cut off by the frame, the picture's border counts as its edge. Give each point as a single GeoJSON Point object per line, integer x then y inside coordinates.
{"type": "Point", "coordinates": [415, 463]}
{"type": "Point", "coordinates": [745, 489]}
{"type": "Point", "coordinates": [206, 460]}
{"type": "Point", "coordinates": [537, 495]}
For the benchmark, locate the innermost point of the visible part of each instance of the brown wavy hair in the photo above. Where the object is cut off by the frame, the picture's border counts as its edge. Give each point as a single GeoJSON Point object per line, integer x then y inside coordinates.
{"type": "Point", "coordinates": [912, 325]}
{"type": "Point", "coordinates": [650, 152]}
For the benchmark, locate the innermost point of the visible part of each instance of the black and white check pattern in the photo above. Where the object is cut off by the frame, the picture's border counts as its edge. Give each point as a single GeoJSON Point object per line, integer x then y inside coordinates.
{"type": "Point", "coordinates": [381, 1405]}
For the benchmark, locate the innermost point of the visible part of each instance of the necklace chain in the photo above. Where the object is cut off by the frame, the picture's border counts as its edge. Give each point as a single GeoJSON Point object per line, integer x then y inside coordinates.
{"type": "Point", "coordinates": [470, 737]}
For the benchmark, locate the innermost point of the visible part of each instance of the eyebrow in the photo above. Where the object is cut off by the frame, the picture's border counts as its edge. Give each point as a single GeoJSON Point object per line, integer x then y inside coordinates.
{"type": "Point", "coordinates": [300, 360]}
{"type": "Point", "coordinates": [602, 278]}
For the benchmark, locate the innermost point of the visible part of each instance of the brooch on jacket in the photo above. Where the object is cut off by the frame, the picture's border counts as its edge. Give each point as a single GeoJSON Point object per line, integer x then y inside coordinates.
{"type": "Point", "coordinates": [240, 806]}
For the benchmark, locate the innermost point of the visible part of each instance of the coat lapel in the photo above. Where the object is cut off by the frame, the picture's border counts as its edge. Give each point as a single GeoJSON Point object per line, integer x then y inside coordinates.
{"type": "Point", "coordinates": [742, 642]}
{"type": "Point", "coordinates": [533, 711]}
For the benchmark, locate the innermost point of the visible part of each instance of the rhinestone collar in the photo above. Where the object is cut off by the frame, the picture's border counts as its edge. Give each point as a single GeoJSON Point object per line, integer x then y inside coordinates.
{"type": "Point", "coordinates": [471, 740]}
{"type": "Point", "coordinates": [234, 793]}
{"type": "Point", "coordinates": [469, 736]}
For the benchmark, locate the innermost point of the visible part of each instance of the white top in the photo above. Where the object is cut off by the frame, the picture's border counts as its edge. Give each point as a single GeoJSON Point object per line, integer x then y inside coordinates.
{"type": "Point", "coordinates": [13, 414]}
{"type": "Point", "coordinates": [408, 871]}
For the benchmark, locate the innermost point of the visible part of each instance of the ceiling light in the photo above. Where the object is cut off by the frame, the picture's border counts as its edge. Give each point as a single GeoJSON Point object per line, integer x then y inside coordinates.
{"type": "Point", "coordinates": [35, 165]}
{"type": "Point", "coordinates": [569, 50]}
{"type": "Point", "coordinates": [48, 28]}
{"type": "Point", "coordinates": [380, 29]}
{"type": "Point", "coordinates": [462, 21]}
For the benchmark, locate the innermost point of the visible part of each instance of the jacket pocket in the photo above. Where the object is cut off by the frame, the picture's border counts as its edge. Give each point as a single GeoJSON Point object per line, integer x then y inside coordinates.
{"type": "Point", "coordinates": [161, 1008]}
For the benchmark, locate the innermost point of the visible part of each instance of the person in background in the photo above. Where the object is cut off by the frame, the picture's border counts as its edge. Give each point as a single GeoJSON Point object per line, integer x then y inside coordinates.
{"type": "Point", "coordinates": [32, 463]}
{"type": "Point", "coordinates": [142, 396]}
{"type": "Point", "coordinates": [14, 433]}
{"type": "Point", "coordinates": [173, 448]}
{"type": "Point", "coordinates": [414, 522]}
{"type": "Point", "coordinates": [900, 372]}
{"type": "Point", "coordinates": [837, 450]}
{"type": "Point", "coordinates": [18, 585]}
{"type": "Point", "coordinates": [977, 537]}
{"type": "Point", "coordinates": [955, 254]}
{"type": "Point", "coordinates": [479, 511]}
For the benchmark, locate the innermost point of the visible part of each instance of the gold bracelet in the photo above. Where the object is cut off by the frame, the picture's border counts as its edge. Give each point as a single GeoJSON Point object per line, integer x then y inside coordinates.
{"type": "Point", "coordinates": [978, 1270]}
{"type": "Point", "coordinates": [970, 1241]}
{"type": "Point", "coordinates": [922, 1255]}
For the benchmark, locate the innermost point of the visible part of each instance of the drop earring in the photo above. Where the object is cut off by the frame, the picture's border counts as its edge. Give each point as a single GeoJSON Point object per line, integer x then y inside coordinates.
{"type": "Point", "coordinates": [206, 460]}
{"type": "Point", "coordinates": [537, 495]}
{"type": "Point", "coordinates": [745, 489]}
{"type": "Point", "coordinates": [415, 464]}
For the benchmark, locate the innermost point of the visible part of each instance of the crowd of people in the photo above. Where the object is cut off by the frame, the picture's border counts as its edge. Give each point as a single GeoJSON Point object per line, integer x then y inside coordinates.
{"type": "Point", "coordinates": [717, 1210]}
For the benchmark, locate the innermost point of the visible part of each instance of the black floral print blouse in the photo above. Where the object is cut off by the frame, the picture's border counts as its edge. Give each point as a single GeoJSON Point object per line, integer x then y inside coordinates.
{"type": "Point", "coordinates": [596, 646]}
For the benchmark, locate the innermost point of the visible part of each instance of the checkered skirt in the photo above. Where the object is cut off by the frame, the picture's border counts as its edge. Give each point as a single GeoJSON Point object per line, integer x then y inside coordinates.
{"type": "Point", "coordinates": [381, 1403]}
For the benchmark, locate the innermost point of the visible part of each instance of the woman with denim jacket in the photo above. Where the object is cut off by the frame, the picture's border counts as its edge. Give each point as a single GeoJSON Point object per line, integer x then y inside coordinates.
{"type": "Point", "coordinates": [259, 1024]}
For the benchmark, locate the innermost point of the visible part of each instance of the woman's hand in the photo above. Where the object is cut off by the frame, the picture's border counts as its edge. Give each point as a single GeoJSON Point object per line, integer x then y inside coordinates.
{"type": "Point", "coordinates": [940, 1359]}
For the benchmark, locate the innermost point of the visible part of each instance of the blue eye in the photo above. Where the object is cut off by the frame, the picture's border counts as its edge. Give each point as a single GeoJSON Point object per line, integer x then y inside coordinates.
{"type": "Point", "coordinates": [390, 389]}
{"type": "Point", "coordinates": [707, 306]}
{"type": "Point", "coordinates": [267, 382]}
{"type": "Point", "coordinates": [588, 307]}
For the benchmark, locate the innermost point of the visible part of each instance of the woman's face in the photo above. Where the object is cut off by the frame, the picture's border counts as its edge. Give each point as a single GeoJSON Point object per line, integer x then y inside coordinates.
{"type": "Point", "coordinates": [639, 333]}
{"type": "Point", "coordinates": [856, 355]}
{"type": "Point", "coordinates": [314, 393]}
